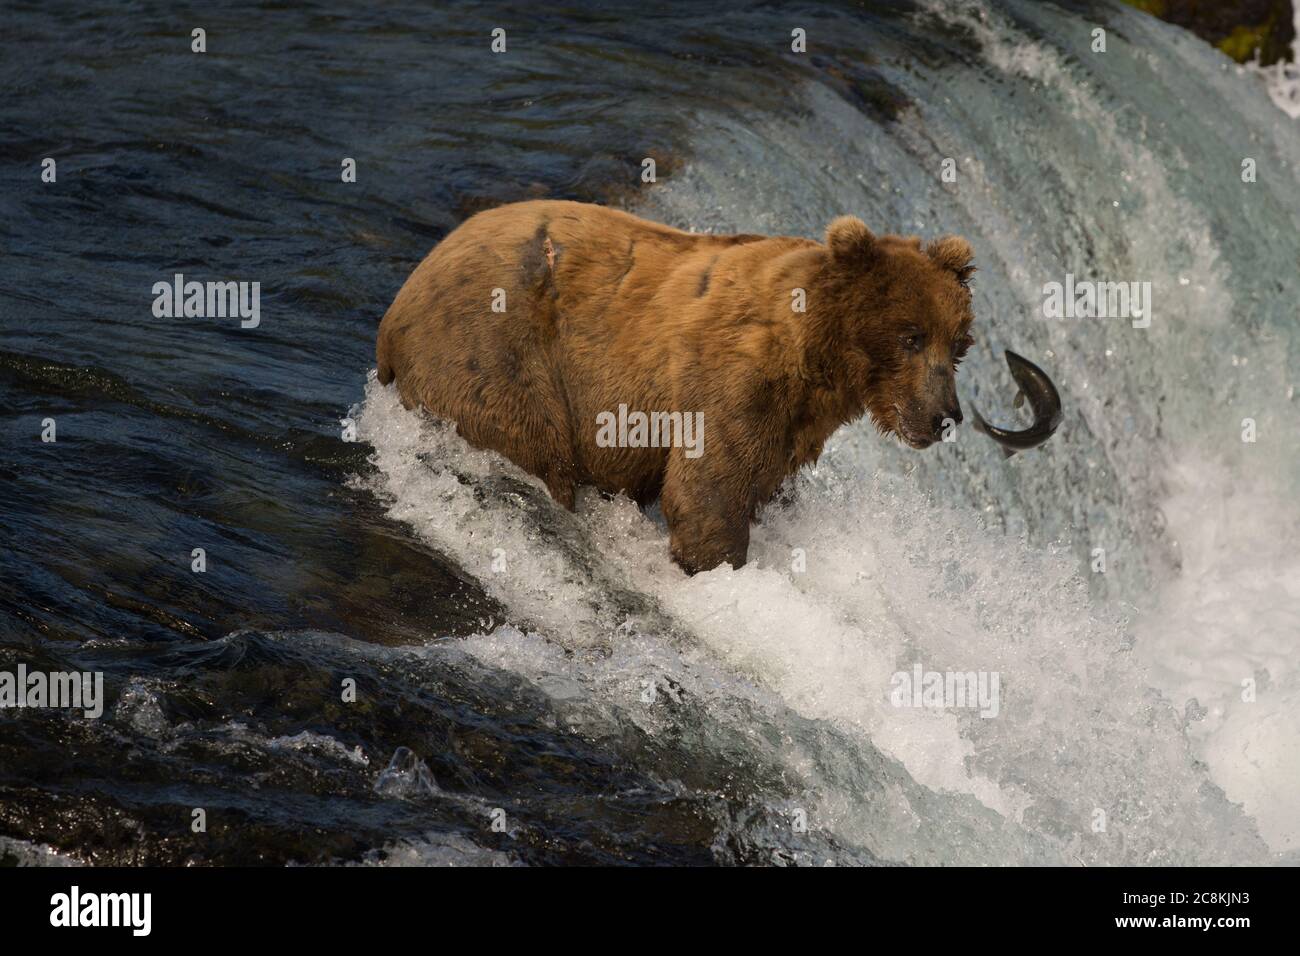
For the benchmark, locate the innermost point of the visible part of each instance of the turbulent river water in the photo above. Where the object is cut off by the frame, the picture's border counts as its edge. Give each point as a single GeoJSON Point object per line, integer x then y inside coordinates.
{"type": "Point", "coordinates": [534, 686]}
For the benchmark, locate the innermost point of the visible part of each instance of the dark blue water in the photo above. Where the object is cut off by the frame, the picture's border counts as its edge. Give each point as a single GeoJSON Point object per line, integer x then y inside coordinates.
{"type": "Point", "coordinates": [225, 687]}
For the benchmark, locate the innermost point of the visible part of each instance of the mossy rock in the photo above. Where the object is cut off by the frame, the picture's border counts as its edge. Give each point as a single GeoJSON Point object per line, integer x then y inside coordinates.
{"type": "Point", "coordinates": [1237, 27]}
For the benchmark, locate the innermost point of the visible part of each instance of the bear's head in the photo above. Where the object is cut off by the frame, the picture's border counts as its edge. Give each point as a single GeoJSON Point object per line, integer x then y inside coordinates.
{"type": "Point", "coordinates": [903, 314]}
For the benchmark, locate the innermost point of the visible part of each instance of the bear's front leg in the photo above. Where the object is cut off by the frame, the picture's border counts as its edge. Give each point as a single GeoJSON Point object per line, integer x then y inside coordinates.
{"type": "Point", "coordinates": [562, 488]}
{"type": "Point", "coordinates": [708, 515]}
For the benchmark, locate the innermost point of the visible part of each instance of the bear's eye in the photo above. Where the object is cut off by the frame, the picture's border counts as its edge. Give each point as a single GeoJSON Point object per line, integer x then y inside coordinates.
{"type": "Point", "coordinates": [914, 341]}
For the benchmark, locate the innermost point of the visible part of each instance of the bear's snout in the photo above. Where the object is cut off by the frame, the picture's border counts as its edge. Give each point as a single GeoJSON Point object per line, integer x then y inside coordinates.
{"type": "Point", "coordinates": [941, 419]}
{"type": "Point", "coordinates": [939, 400]}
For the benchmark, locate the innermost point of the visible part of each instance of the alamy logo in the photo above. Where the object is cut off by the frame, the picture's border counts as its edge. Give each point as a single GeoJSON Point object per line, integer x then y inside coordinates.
{"type": "Point", "coordinates": [208, 300]}
{"type": "Point", "coordinates": [944, 689]}
{"type": "Point", "coordinates": [82, 691]}
{"type": "Point", "coordinates": [74, 908]}
{"type": "Point", "coordinates": [1098, 300]}
{"type": "Point", "coordinates": [651, 430]}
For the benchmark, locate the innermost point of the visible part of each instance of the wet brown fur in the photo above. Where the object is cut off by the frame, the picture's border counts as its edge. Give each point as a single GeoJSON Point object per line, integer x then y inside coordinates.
{"type": "Point", "coordinates": [604, 308]}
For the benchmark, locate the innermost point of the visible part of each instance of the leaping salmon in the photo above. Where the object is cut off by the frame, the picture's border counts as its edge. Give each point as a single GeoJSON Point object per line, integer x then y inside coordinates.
{"type": "Point", "coordinates": [1043, 399]}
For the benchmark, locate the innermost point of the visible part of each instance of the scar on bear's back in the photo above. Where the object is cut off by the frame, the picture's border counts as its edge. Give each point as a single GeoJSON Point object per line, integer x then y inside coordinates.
{"type": "Point", "coordinates": [538, 254]}
{"type": "Point", "coordinates": [630, 255]}
{"type": "Point", "coordinates": [704, 278]}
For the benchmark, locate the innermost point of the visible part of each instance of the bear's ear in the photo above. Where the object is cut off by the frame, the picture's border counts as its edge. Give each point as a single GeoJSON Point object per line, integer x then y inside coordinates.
{"type": "Point", "coordinates": [850, 241]}
{"type": "Point", "coordinates": [954, 254]}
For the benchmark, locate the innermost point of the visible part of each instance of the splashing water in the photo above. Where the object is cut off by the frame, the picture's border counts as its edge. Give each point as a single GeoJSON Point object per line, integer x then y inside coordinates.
{"type": "Point", "coordinates": [1283, 78]}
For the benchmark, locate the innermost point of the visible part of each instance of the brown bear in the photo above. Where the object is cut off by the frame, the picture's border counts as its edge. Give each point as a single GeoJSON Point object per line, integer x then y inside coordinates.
{"type": "Point", "coordinates": [592, 347]}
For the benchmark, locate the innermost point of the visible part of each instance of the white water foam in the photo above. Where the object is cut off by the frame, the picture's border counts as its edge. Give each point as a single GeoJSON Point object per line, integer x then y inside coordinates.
{"type": "Point", "coordinates": [26, 853]}
{"type": "Point", "coordinates": [891, 580]}
{"type": "Point", "coordinates": [1282, 79]}
{"type": "Point", "coordinates": [1220, 640]}
{"type": "Point", "coordinates": [437, 849]}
